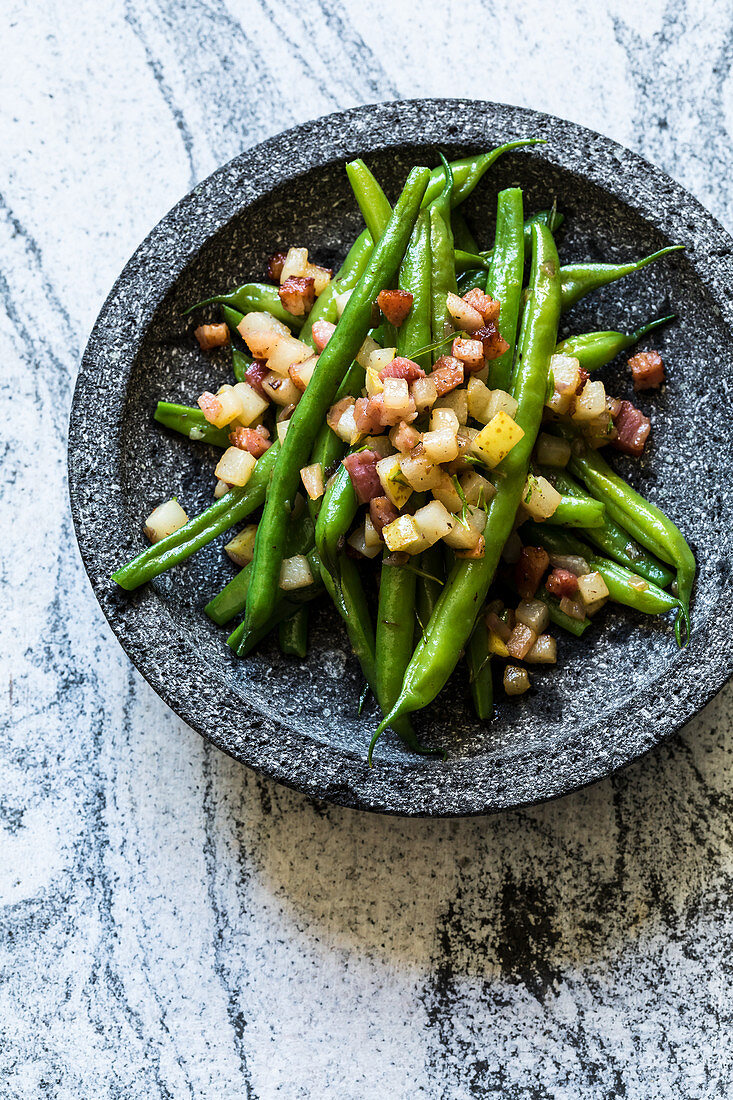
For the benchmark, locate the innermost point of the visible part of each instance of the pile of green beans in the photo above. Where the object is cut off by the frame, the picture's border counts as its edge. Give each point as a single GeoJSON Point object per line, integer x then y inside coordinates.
{"type": "Point", "coordinates": [429, 608]}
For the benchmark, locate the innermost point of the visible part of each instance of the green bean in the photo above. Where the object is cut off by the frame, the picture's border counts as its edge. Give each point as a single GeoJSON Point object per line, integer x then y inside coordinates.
{"type": "Point", "coordinates": [611, 538]}
{"type": "Point", "coordinates": [468, 171]}
{"type": "Point", "coordinates": [396, 609]}
{"type": "Point", "coordinates": [335, 517]}
{"type": "Point", "coordinates": [233, 317]}
{"type": "Point", "coordinates": [293, 634]}
{"type": "Point", "coordinates": [443, 268]}
{"type": "Point", "coordinates": [471, 280]}
{"type": "Point", "coordinates": [624, 586]}
{"type": "Point", "coordinates": [479, 671]}
{"type": "Point", "coordinates": [465, 591]}
{"type": "Point", "coordinates": [505, 277]}
{"type": "Point", "coordinates": [373, 202]}
{"type": "Point", "coordinates": [462, 235]}
{"type": "Point", "coordinates": [240, 365]}
{"type": "Point", "coordinates": [430, 580]}
{"type": "Point", "coordinates": [310, 412]}
{"type": "Point", "coordinates": [572, 512]}
{"type": "Point", "coordinates": [580, 279]}
{"type": "Point", "coordinates": [190, 422]}
{"type": "Point", "coordinates": [647, 523]}
{"type": "Point", "coordinates": [469, 261]}
{"type": "Point", "coordinates": [233, 507]}
{"type": "Point", "coordinates": [253, 298]}
{"type": "Point", "coordinates": [415, 277]}
{"type": "Point", "coordinates": [595, 349]}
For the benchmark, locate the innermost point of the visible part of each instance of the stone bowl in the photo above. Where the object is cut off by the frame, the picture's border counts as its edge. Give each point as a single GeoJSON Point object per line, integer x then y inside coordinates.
{"type": "Point", "coordinates": [613, 695]}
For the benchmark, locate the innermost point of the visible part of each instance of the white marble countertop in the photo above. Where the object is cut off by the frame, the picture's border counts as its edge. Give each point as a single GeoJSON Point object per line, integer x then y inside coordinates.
{"type": "Point", "coordinates": [172, 925]}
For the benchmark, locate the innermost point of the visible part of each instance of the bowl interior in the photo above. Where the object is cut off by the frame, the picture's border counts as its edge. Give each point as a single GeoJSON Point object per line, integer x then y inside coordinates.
{"type": "Point", "coordinates": [624, 653]}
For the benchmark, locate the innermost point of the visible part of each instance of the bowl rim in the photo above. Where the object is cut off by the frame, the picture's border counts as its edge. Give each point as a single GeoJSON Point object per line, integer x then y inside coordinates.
{"type": "Point", "coordinates": [425, 788]}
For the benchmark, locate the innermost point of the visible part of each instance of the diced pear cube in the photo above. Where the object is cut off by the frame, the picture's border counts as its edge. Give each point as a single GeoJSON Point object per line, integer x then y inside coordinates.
{"type": "Point", "coordinates": [494, 442]}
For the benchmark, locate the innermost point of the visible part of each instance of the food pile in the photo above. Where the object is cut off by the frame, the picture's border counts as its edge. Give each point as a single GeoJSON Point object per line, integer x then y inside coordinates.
{"type": "Point", "coordinates": [425, 451]}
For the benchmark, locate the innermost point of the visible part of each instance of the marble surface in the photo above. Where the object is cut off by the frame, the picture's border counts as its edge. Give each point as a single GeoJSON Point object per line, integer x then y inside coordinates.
{"type": "Point", "coordinates": [172, 925]}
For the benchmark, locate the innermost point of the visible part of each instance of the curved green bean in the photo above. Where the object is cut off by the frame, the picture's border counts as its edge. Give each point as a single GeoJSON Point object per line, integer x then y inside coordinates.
{"type": "Point", "coordinates": [595, 349]}
{"type": "Point", "coordinates": [190, 422]}
{"type": "Point", "coordinates": [582, 278]}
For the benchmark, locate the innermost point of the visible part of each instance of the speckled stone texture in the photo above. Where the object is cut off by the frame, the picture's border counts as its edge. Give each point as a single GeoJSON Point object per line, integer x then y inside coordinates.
{"type": "Point", "coordinates": [174, 925]}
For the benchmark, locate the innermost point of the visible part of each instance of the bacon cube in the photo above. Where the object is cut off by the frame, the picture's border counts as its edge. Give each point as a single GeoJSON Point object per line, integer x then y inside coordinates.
{"type": "Point", "coordinates": [487, 306]}
{"type": "Point", "coordinates": [298, 295]}
{"type": "Point", "coordinates": [562, 583]}
{"type": "Point", "coordinates": [647, 370]}
{"type": "Point", "coordinates": [395, 305]}
{"type": "Point", "coordinates": [447, 374]}
{"type": "Point", "coordinates": [632, 429]}
{"type": "Point", "coordinates": [493, 342]}
{"type": "Point", "coordinates": [470, 352]}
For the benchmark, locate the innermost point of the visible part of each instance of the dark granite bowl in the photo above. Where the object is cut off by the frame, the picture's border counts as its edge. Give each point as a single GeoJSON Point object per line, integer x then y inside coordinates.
{"type": "Point", "coordinates": [611, 697]}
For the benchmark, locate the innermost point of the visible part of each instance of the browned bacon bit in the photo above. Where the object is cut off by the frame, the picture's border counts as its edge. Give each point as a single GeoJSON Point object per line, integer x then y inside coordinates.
{"type": "Point", "coordinates": [322, 332]}
{"type": "Point", "coordinates": [583, 377]}
{"type": "Point", "coordinates": [275, 266]}
{"type": "Point", "coordinates": [402, 368]}
{"type": "Point", "coordinates": [470, 352]}
{"type": "Point", "coordinates": [362, 469]}
{"type": "Point", "coordinates": [529, 570]}
{"type": "Point", "coordinates": [561, 582]}
{"type": "Point", "coordinates": [298, 295]}
{"type": "Point", "coordinates": [254, 440]}
{"type": "Point", "coordinates": [633, 429]}
{"type": "Point", "coordinates": [492, 340]}
{"type": "Point", "coordinates": [488, 307]}
{"type": "Point", "coordinates": [255, 373]}
{"type": "Point", "coordinates": [212, 336]}
{"type": "Point", "coordinates": [381, 512]}
{"type": "Point", "coordinates": [395, 305]}
{"type": "Point", "coordinates": [647, 370]}
{"type": "Point", "coordinates": [447, 374]}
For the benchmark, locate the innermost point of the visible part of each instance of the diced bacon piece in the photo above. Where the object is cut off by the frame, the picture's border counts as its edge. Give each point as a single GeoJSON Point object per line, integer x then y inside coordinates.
{"type": "Point", "coordinates": [562, 583]}
{"type": "Point", "coordinates": [492, 340]}
{"type": "Point", "coordinates": [275, 266]}
{"type": "Point", "coordinates": [487, 306]}
{"type": "Point", "coordinates": [254, 440]}
{"type": "Point", "coordinates": [322, 332]}
{"type": "Point", "coordinates": [368, 414]}
{"type": "Point", "coordinates": [402, 368]}
{"type": "Point", "coordinates": [362, 469]}
{"type": "Point", "coordinates": [632, 429]}
{"type": "Point", "coordinates": [212, 336]}
{"type": "Point", "coordinates": [647, 370]}
{"type": "Point", "coordinates": [395, 305]}
{"type": "Point", "coordinates": [298, 295]}
{"type": "Point", "coordinates": [255, 374]}
{"type": "Point", "coordinates": [382, 512]}
{"type": "Point", "coordinates": [529, 570]}
{"type": "Point", "coordinates": [404, 437]}
{"type": "Point", "coordinates": [447, 374]}
{"type": "Point", "coordinates": [470, 352]}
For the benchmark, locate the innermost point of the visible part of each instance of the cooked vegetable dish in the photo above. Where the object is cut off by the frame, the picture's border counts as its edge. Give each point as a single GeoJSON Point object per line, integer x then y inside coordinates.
{"type": "Point", "coordinates": [423, 452]}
